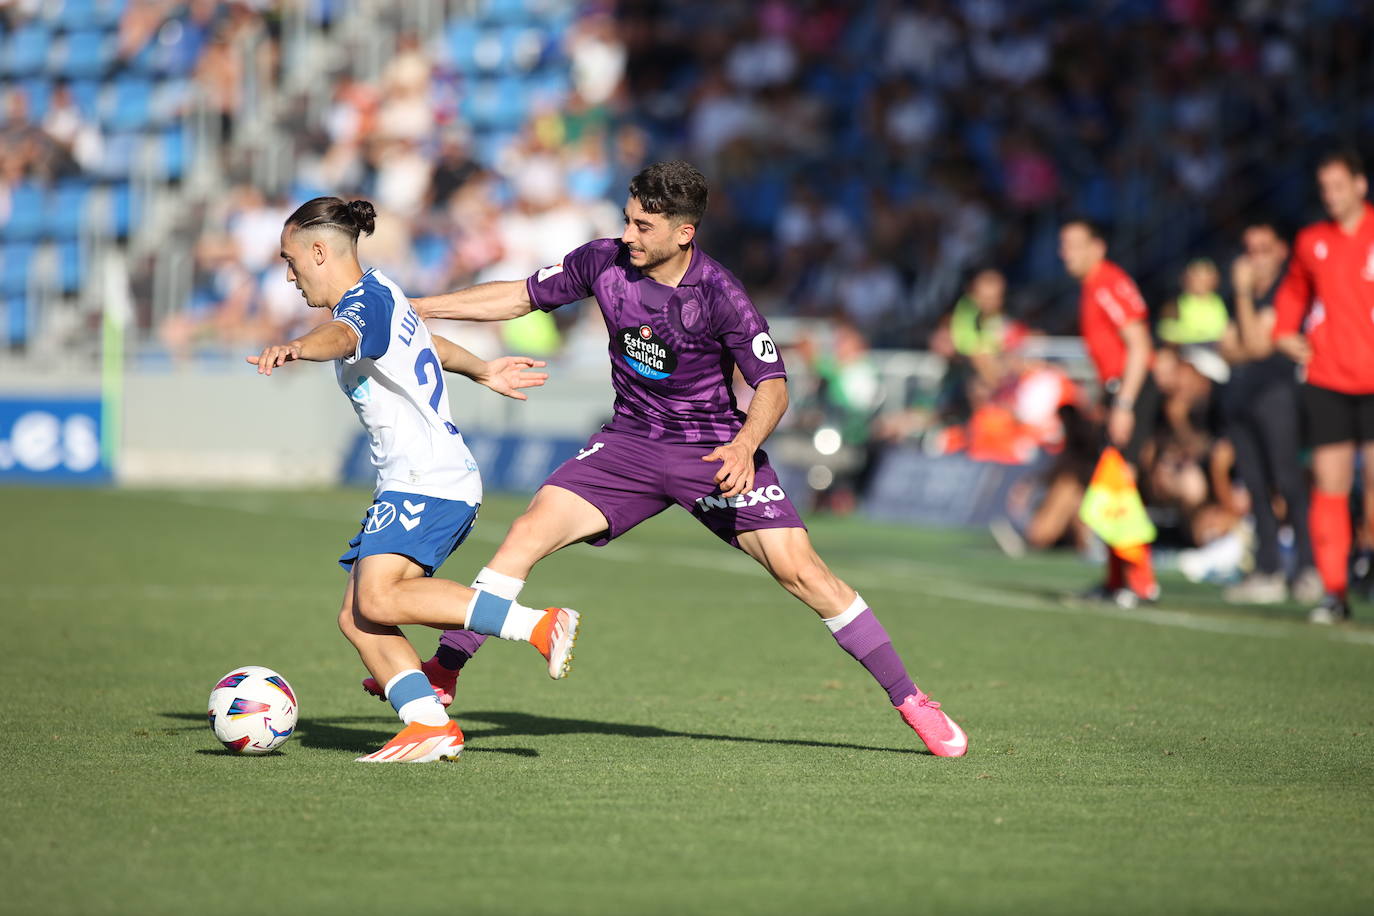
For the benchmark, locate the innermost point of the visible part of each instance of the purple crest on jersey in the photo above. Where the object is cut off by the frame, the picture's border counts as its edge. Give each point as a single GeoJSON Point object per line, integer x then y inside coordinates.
{"type": "Point", "coordinates": [673, 350]}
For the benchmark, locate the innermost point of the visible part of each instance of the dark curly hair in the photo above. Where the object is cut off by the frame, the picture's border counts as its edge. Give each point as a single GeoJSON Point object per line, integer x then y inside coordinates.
{"type": "Point", "coordinates": [675, 189]}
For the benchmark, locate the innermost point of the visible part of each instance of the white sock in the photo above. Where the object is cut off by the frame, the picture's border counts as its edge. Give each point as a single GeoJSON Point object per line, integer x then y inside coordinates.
{"type": "Point", "coordinates": [520, 622]}
{"type": "Point", "coordinates": [425, 710]}
{"type": "Point", "coordinates": [836, 624]}
{"type": "Point", "coordinates": [498, 584]}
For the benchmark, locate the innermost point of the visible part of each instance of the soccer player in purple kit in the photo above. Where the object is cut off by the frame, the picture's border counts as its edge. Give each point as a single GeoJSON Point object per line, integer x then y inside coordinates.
{"type": "Point", "coordinates": [679, 324]}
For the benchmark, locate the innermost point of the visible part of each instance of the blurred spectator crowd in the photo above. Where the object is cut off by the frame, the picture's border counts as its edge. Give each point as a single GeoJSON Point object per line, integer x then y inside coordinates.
{"type": "Point", "coordinates": [896, 171]}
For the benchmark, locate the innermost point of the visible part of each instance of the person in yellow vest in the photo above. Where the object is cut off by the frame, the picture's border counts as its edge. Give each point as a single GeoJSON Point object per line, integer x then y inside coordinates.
{"type": "Point", "coordinates": [1198, 316]}
{"type": "Point", "coordinates": [975, 339]}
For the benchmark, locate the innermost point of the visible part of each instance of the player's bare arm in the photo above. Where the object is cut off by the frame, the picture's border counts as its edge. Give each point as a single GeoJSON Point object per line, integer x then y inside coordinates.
{"type": "Point", "coordinates": [499, 300]}
{"type": "Point", "coordinates": [1121, 422]}
{"type": "Point", "coordinates": [505, 375]}
{"type": "Point", "coordinates": [331, 340]}
{"type": "Point", "coordinates": [736, 474]}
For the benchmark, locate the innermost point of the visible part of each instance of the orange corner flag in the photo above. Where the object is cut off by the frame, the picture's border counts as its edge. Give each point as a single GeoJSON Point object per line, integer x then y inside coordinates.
{"type": "Point", "coordinates": [1113, 509]}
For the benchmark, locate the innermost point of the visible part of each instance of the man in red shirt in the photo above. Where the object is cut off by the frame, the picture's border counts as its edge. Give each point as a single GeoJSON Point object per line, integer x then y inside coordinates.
{"type": "Point", "coordinates": [1324, 320]}
{"type": "Point", "coordinates": [1113, 321]}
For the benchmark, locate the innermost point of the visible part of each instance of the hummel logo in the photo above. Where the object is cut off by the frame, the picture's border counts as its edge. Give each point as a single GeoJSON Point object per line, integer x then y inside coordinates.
{"type": "Point", "coordinates": [414, 509]}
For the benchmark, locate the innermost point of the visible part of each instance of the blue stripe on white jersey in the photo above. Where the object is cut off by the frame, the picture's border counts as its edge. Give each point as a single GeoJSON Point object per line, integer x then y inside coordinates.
{"type": "Point", "coordinates": [396, 385]}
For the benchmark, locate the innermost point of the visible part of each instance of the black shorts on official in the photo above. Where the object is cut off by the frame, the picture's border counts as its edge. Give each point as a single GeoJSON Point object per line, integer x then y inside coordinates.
{"type": "Point", "coordinates": [1333, 416]}
{"type": "Point", "coordinates": [1146, 412]}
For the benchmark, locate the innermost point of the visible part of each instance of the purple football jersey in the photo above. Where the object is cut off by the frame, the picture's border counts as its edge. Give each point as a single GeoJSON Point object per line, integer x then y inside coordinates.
{"type": "Point", "coordinates": [673, 350]}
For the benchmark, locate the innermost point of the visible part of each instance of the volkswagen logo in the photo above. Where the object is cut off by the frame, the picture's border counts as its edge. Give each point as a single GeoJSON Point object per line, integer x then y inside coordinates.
{"type": "Point", "coordinates": [379, 515]}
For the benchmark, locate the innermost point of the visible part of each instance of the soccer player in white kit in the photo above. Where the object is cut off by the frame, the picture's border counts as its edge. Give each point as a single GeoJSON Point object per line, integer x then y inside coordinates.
{"type": "Point", "coordinates": [428, 486]}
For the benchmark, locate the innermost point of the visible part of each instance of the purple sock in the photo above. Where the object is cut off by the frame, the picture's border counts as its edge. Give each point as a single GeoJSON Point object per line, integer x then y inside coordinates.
{"type": "Point", "coordinates": [457, 647]}
{"type": "Point", "coordinates": [866, 640]}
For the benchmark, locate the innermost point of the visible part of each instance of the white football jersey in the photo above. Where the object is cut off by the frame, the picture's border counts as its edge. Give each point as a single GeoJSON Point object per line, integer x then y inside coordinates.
{"type": "Point", "coordinates": [397, 388]}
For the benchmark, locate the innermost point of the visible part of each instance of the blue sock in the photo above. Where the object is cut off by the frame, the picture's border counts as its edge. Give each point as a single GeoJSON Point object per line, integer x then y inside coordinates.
{"type": "Point", "coordinates": [491, 615]}
{"type": "Point", "coordinates": [411, 695]}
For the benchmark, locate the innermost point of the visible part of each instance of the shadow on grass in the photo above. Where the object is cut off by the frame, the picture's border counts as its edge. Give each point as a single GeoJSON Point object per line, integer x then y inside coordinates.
{"type": "Point", "coordinates": [517, 724]}
{"type": "Point", "coordinates": [336, 733]}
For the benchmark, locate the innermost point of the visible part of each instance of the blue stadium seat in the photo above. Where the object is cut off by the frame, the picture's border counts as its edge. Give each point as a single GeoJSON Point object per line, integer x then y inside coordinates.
{"type": "Point", "coordinates": [128, 104]}
{"type": "Point", "coordinates": [85, 54]}
{"type": "Point", "coordinates": [17, 320]}
{"type": "Point", "coordinates": [120, 150]}
{"type": "Point", "coordinates": [507, 11]}
{"type": "Point", "coordinates": [496, 104]}
{"type": "Point", "coordinates": [462, 38]}
{"type": "Point", "coordinates": [77, 14]}
{"type": "Point", "coordinates": [116, 215]}
{"type": "Point", "coordinates": [73, 14]}
{"type": "Point", "coordinates": [65, 210]}
{"type": "Point", "coordinates": [38, 90]}
{"type": "Point", "coordinates": [68, 266]}
{"type": "Point", "coordinates": [173, 148]}
{"type": "Point", "coordinates": [26, 213]}
{"type": "Point", "coordinates": [86, 97]}
{"type": "Point", "coordinates": [26, 50]}
{"type": "Point", "coordinates": [522, 48]}
{"type": "Point", "coordinates": [15, 261]}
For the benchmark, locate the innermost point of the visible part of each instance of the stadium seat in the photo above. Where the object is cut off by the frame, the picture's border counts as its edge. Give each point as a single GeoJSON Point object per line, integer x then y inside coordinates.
{"type": "Point", "coordinates": [17, 320]}
{"type": "Point", "coordinates": [68, 266]}
{"type": "Point", "coordinates": [74, 14]}
{"type": "Point", "coordinates": [26, 213]}
{"type": "Point", "coordinates": [64, 210]}
{"type": "Point", "coordinates": [462, 39]}
{"type": "Point", "coordinates": [15, 259]}
{"type": "Point", "coordinates": [513, 11]}
{"type": "Point", "coordinates": [127, 105]}
{"type": "Point", "coordinates": [120, 210]}
{"type": "Point", "coordinates": [120, 150]}
{"type": "Point", "coordinates": [85, 54]}
{"type": "Point", "coordinates": [38, 90]}
{"type": "Point", "coordinates": [172, 146]}
{"type": "Point", "coordinates": [497, 104]}
{"type": "Point", "coordinates": [523, 49]}
{"type": "Point", "coordinates": [86, 97]}
{"type": "Point", "coordinates": [26, 51]}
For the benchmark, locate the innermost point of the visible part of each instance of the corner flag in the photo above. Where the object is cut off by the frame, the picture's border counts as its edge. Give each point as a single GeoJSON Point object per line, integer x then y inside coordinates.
{"type": "Point", "coordinates": [1112, 506]}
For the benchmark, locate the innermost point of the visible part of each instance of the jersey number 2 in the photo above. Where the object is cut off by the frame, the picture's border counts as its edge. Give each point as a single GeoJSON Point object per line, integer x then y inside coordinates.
{"type": "Point", "coordinates": [422, 364]}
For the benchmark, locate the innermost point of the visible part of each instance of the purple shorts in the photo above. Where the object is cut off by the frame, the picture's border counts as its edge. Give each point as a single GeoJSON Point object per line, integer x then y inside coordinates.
{"type": "Point", "coordinates": [631, 479]}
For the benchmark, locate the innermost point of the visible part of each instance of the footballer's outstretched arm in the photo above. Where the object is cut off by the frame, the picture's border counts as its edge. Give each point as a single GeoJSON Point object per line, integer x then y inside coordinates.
{"type": "Point", "coordinates": [496, 301]}
{"type": "Point", "coordinates": [505, 375]}
{"type": "Point", "coordinates": [331, 340]}
{"type": "Point", "coordinates": [736, 473]}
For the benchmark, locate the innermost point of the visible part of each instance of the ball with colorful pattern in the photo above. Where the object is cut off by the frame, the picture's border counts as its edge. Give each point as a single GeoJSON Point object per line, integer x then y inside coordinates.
{"type": "Point", "coordinates": [252, 710]}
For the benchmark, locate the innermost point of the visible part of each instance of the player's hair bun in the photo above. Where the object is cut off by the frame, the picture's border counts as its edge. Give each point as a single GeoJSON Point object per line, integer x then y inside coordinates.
{"type": "Point", "coordinates": [364, 215]}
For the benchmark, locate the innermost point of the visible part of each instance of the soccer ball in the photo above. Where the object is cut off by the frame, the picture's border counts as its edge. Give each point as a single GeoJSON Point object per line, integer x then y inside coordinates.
{"type": "Point", "coordinates": [253, 710]}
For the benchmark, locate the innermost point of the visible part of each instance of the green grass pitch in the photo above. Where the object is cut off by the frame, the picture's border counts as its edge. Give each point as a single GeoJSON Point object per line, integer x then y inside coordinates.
{"type": "Point", "coordinates": [712, 752]}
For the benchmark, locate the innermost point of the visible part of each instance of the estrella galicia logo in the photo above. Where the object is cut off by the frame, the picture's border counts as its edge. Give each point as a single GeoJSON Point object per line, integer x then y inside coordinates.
{"type": "Point", "coordinates": [379, 515]}
{"type": "Point", "coordinates": [646, 352]}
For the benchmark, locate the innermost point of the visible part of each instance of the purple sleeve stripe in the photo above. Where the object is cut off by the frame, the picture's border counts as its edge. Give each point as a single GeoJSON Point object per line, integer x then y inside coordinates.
{"type": "Point", "coordinates": [754, 383]}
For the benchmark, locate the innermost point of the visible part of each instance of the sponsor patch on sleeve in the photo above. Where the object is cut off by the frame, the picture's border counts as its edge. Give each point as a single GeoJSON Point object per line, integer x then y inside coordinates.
{"type": "Point", "coordinates": [551, 271]}
{"type": "Point", "coordinates": [764, 348]}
